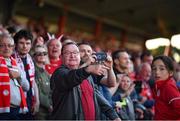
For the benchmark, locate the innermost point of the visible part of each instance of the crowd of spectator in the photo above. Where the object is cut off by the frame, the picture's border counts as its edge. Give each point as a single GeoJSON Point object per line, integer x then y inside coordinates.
{"type": "Point", "coordinates": [43, 77]}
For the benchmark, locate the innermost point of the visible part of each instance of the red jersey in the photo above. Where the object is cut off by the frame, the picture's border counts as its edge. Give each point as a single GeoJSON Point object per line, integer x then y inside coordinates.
{"type": "Point", "coordinates": [146, 91]}
{"type": "Point", "coordinates": [50, 68]}
{"type": "Point", "coordinates": [167, 100]}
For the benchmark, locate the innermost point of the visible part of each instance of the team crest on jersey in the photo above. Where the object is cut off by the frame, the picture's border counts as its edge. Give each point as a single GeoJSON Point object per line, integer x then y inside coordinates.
{"type": "Point", "coordinates": [5, 92]}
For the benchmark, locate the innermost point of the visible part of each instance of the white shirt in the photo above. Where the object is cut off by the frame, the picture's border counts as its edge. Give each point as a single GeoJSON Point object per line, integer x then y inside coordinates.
{"type": "Point", "coordinates": [15, 97]}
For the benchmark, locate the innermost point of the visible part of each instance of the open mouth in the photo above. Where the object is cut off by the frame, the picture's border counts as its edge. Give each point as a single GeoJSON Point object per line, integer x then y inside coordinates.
{"type": "Point", "coordinates": [54, 51]}
{"type": "Point", "coordinates": [157, 78]}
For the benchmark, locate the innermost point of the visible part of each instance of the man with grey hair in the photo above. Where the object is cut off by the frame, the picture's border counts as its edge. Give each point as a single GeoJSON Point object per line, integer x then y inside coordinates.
{"type": "Point", "coordinates": [12, 98]}
{"type": "Point", "coordinates": [54, 52]}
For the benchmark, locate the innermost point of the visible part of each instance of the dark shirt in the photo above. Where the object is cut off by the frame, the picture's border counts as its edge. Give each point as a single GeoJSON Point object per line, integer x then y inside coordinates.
{"type": "Point", "coordinates": [66, 95]}
{"type": "Point", "coordinates": [29, 93]}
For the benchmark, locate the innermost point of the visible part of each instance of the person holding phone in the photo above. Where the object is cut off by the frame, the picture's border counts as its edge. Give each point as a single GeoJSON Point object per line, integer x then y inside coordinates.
{"type": "Point", "coordinates": [74, 95]}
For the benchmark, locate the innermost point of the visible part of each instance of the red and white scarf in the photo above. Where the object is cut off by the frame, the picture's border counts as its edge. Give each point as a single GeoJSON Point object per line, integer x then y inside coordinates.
{"type": "Point", "coordinates": [31, 70]}
{"type": "Point", "coordinates": [5, 88]}
{"type": "Point", "coordinates": [29, 67]}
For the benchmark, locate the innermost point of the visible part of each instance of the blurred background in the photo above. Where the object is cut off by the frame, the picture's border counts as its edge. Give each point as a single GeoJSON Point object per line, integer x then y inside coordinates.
{"type": "Point", "coordinates": [110, 24]}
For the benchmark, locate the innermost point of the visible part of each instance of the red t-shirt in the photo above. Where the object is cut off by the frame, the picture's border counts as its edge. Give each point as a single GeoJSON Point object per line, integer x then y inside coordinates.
{"type": "Point", "coordinates": [146, 91]}
{"type": "Point", "coordinates": [87, 99]}
{"type": "Point", "coordinates": [50, 68]}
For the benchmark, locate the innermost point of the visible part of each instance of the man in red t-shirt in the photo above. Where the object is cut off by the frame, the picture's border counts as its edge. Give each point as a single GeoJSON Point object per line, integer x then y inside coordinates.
{"type": "Point", "coordinates": [54, 51]}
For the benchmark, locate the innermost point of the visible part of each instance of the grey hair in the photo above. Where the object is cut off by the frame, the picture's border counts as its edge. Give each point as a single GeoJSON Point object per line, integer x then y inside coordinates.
{"type": "Point", "coordinates": [7, 36]}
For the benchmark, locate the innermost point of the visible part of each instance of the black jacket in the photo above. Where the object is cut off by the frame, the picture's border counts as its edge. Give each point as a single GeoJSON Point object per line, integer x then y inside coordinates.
{"type": "Point", "coordinates": [66, 95]}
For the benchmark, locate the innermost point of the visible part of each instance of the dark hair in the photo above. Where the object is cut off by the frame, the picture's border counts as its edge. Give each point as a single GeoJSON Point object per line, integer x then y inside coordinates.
{"type": "Point", "coordinates": [135, 55]}
{"type": "Point", "coordinates": [115, 54]}
{"type": "Point", "coordinates": [11, 29]}
{"type": "Point", "coordinates": [64, 38]}
{"type": "Point", "coordinates": [168, 62]}
{"type": "Point", "coordinates": [145, 53]}
{"type": "Point", "coordinates": [83, 43]}
{"type": "Point", "coordinates": [69, 43]}
{"type": "Point", "coordinates": [23, 34]}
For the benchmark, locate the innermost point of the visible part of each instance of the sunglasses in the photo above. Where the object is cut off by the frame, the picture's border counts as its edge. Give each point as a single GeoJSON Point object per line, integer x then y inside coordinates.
{"type": "Point", "coordinates": [40, 53]}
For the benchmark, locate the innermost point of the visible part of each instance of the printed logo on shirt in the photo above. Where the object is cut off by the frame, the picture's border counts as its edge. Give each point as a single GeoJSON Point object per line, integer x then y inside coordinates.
{"type": "Point", "coordinates": [5, 92]}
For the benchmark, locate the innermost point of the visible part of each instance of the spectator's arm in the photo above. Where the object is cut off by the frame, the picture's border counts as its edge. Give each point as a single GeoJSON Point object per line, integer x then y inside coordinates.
{"type": "Point", "coordinates": [23, 81]}
{"type": "Point", "coordinates": [109, 79]}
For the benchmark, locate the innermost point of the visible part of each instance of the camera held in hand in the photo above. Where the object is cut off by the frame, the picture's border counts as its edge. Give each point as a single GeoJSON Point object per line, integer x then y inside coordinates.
{"type": "Point", "coordinates": [100, 56]}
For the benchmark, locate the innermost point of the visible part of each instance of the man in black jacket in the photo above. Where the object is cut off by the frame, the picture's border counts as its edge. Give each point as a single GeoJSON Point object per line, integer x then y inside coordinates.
{"type": "Point", "coordinates": [74, 95]}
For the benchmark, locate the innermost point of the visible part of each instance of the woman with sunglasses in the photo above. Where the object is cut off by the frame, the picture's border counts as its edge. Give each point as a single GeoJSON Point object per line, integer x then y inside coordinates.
{"type": "Point", "coordinates": [42, 79]}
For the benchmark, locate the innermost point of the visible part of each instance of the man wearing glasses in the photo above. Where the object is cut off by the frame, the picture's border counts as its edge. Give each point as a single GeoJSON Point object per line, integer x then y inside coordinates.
{"type": "Point", "coordinates": [73, 93]}
{"type": "Point", "coordinates": [12, 98]}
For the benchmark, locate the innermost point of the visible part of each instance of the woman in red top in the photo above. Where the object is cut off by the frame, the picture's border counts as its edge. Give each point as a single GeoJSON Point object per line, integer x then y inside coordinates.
{"type": "Point", "coordinates": [166, 94]}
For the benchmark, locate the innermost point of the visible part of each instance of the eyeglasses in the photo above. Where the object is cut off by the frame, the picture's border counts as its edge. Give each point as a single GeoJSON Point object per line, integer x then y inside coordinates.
{"type": "Point", "coordinates": [8, 45]}
{"type": "Point", "coordinates": [40, 53]}
{"type": "Point", "coordinates": [68, 53]}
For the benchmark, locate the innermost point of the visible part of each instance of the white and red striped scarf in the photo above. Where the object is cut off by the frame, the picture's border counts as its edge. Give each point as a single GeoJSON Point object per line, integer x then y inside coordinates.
{"type": "Point", "coordinates": [5, 88]}
{"type": "Point", "coordinates": [29, 67]}
{"type": "Point", "coordinates": [31, 70]}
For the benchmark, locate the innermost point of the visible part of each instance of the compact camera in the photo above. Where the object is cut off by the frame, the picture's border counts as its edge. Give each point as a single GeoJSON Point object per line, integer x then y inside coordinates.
{"type": "Point", "coordinates": [100, 56]}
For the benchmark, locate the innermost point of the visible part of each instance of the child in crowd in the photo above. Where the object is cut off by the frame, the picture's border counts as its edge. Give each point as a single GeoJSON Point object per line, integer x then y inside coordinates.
{"type": "Point", "coordinates": [166, 93]}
